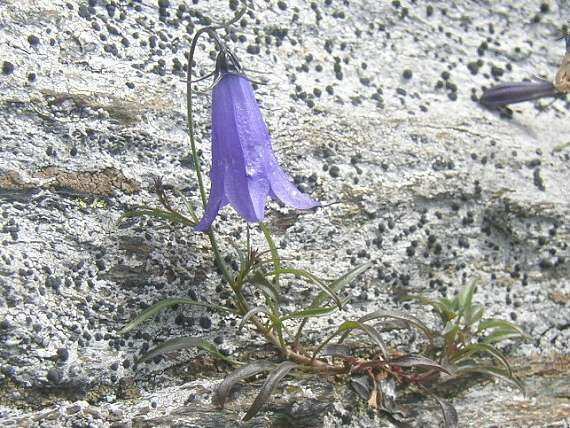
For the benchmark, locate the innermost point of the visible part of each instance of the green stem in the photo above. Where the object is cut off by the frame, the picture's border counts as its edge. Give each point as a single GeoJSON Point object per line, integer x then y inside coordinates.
{"type": "Point", "coordinates": [219, 260]}
{"type": "Point", "coordinates": [189, 109]}
{"type": "Point", "coordinates": [274, 253]}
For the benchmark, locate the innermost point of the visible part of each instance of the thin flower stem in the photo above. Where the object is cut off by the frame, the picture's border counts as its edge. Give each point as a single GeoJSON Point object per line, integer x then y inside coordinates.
{"type": "Point", "coordinates": [189, 108]}
{"type": "Point", "coordinates": [219, 259]}
{"type": "Point", "coordinates": [274, 253]}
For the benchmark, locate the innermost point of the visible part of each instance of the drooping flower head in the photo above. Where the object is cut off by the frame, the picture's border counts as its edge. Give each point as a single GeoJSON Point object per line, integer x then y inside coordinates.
{"type": "Point", "coordinates": [244, 168]}
{"type": "Point", "coordinates": [512, 93]}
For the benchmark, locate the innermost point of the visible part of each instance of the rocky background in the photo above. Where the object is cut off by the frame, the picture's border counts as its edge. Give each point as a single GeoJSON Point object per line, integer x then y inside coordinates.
{"type": "Point", "coordinates": [371, 106]}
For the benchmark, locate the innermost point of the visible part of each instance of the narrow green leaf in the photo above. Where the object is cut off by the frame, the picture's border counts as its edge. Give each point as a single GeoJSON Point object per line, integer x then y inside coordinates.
{"type": "Point", "coordinates": [341, 329]}
{"type": "Point", "coordinates": [493, 372]}
{"type": "Point", "coordinates": [449, 327]}
{"type": "Point", "coordinates": [347, 326]}
{"type": "Point", "coordinates": [312, 279]}
{"type": "Point", "coordinates": [338, 284]}
{"type": "Point", "coordinates": [452, 305]}
{"type": "Point", "coordinates": [473, 314]}
{"type": "Point", "coordinates": [259, 281]}
{"type": "Point", "coordinates": [166, 303]}
{"type": "Point", "coordinates": [158, 213]}
{"type": "Point", "coordinates": [399, 316]}
{"type": "Point", "coordinates": [445, 311]}
{"type": "Point", "coordinates": [484, 348]}
{"type": "Point", "coordinates": [499, 335]}
{"type": "Point", "coordinates": [465, 298]}
{"type": "Point", "coordinates": [251, 313]}
{"type": "Point", "coordinates": [418, 361]}
{"type": "Point", "coordinates": [270, 383]}
{"type": "Point", "coordinates": [215, 352]}
{"type": "Point", "coordinates": [310, 313]}
{"type": "Point", "coordinates": [241, 256]}
{"type": "Point", "coordinates": [172, 345]}
{"type": "Point", "coordinates": [278, 327]}
{"type": "Point", "coordinates": [335, 286]}
{"type": "Point", "coordinates": [223, 390]}
{"type": "Point", "coordinates": [273, 250]}
{"type": "Point", "coordinates": [500, 324]}
{"type": "Point", "coordinates": [373, 334]}
{"type": "Point", "coordinates": [450, 417]}
{"type": "Point", "coordinates": [449, 333]}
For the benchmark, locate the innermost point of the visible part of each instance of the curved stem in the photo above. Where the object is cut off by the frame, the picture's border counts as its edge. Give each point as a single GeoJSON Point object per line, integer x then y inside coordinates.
{"type": "Point", "coordinates": [189, 109]}
{"type": "Point", "coordinates": [274, 253]}
{"type": "Point", "coordinates": [219, 260]}
{"type": "Point", "coordinates": [295, 356]}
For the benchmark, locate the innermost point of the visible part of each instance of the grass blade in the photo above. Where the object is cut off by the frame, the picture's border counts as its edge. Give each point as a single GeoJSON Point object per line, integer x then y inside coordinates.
{"type": "Point", "coordinates": [403, 317]}
{"type": "Point", "coordinates": [223, 390]}
{"type": "Point", "coordinates": [336, 286]}
{"type": "Point", "coordinates": [172, 345]}
{"type": "Point", "coordinates": [418, 361]}
{"type": "Point", "coordinates": [312, 279]}
{"type": "Point", "coordinates": [372, 333]}
{"type": "Point", "coordinates": [500, 324]}
{"type": "Point", "coordinates": [273, 250]}
{"type": "Point", "coordinates": [450, 418]}
{"type": "Point", "coordinates": [500, 335]}
{"type": "Point", "coordinates": [493, 372]}
{"type": "Point", "coordinates": [215, 352]}
{"type": "Point", "coordinates": [465, 298]}
{"type": "Point", "coordinates": [270, 383]}
{"type": "Point", "coordinates": [158, 213]}
{"type": "Point", "coordinates": [482, 348]}
{"type": "Point", "coordinates": [166, 303]}
{"type": "Point", "coordinates": [348, 326]}
{"type": "Point", "coordinates": [251, 313]}
{"type": "Point", "coordinates": [473, 314]}
{"type": "Point", "coordinates": [310, 313]}
{"type": "Point", "coordinates": [264, 285]}
{"type": "Point", "coordinates": [443, 309]}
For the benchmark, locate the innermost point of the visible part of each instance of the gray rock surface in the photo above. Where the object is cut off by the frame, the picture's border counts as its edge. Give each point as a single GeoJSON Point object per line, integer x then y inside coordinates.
{"type": "Point", "coordinates": [92, 110]}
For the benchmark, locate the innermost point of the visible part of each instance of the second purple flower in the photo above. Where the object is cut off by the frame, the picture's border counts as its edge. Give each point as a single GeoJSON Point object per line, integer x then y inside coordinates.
{"type": "Point", "coordinates": [244, 168]}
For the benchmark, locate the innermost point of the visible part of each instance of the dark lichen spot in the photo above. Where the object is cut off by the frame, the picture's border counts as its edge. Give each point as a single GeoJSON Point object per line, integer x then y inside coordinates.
{"type": "Point", "coordinates": [7, 68]}
{"type": "Point", "coordinates": [537, 180]}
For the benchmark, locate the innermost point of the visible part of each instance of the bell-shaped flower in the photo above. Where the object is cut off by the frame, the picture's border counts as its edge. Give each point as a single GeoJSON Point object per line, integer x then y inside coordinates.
{"type": "Point", "coordinates": [512, 93]}
{"type": "Point", "coordinates": [244, 168]}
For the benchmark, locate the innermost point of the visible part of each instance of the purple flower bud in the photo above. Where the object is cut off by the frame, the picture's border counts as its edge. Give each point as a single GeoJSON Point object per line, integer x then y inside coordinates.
{"type": "Point", "coordinates": [511, 93]}
{"type": "Point", "coordinates": [244, 169]}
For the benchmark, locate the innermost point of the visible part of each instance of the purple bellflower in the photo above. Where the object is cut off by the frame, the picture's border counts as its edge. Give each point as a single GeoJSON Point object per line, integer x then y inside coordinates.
{"type": "Point", "coordinates": [244, 168]}
{"type": "Point", "coordinates": [512, 93]}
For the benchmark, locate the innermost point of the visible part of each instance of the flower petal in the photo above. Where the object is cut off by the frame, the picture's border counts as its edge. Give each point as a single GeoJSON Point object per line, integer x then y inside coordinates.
{"type": "Point", "coordinates": [212, 209]}
{"type": "Point", "coordinates": [216, 200]}
{"type": "Point", "coordinates": [283, 189]}
{"type": "Point", "coordinates": [511, 93]}
{"type": "Point", "coordinates": [245, 186]}
{"type": "Point", "coordinates": [261, 164]}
